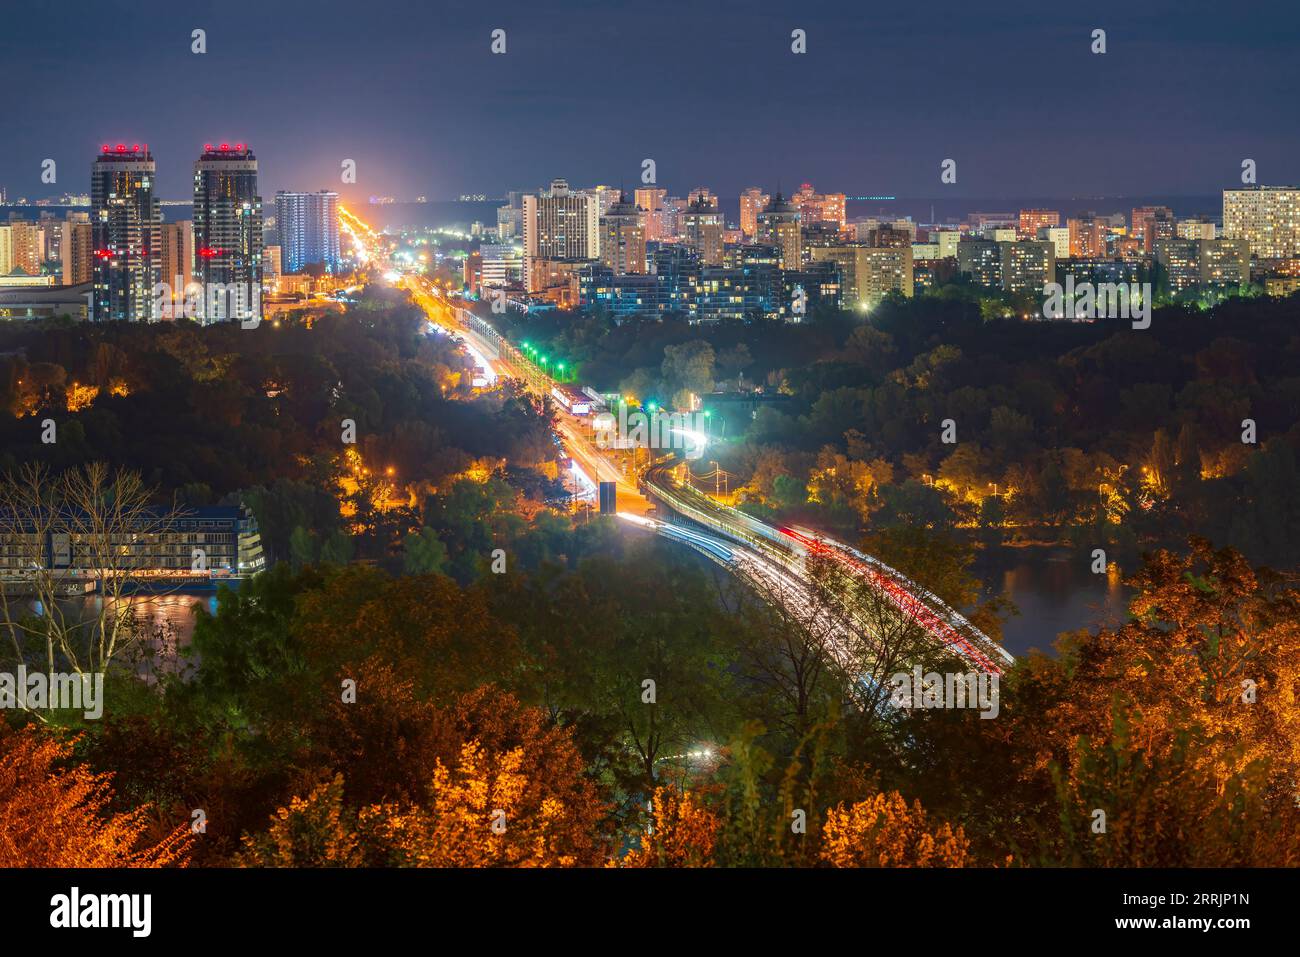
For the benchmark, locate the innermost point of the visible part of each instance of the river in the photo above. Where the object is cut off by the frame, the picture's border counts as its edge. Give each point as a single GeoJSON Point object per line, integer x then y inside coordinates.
{"type": "Point", "coordinates": [1055, 590]}
{"type": "Point", "coordinates": [168, 620]}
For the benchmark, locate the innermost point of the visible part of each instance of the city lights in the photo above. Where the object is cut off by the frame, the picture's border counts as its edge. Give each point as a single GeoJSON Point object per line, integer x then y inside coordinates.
{"type": "Point", "coordinates": [615, 439]}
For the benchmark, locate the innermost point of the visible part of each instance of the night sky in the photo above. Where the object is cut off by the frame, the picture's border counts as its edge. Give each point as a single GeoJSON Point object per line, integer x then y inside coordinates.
{"type": "Point", "coordinates": [710, 90]}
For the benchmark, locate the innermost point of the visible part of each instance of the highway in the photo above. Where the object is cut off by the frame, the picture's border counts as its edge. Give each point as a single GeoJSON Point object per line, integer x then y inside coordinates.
{"type": "Point", "coordinates": [774, 558]}
{"type": "Point", "coordinates": [575, 435]}
{"type": "Point", "coordinates": [829, 630]}
{"type": "Point", "coordinates": [790, 548]}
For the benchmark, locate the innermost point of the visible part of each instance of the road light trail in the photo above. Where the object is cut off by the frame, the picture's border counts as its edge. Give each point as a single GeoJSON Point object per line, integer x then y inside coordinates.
{"type": "Point", "coordinates": [507, 360]}
{"type": "Point", "coordinates": [790, 548]}
{"type": "Point", "coordinates": [775, 556]}
{"type": "Point", "coordinates": [769, 578]}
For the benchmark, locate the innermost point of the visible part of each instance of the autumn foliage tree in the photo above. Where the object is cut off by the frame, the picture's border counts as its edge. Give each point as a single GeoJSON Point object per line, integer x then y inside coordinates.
{"type": "Point", "coordinates": [312, 831]}
{"type": "Point", "coordinates": [504, 787]}
{"type": "Point", "coordinates": [53, 814]}
{"type": "Point", "coordinates": [478, 814]}
{"type": "Point", "coordinates": [885, 831]}
{"type": "Point", "coordinates": [683, 832]}
{"type": "Point", "coordinates": [1182, 725]}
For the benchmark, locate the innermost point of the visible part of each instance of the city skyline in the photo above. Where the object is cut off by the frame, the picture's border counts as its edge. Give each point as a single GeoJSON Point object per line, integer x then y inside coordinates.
{"type": "Point", "coordinates": [1010, 95]}
{"type": "Point", "coordinates": [65, 192]}
{"type": "Point", "coordinates": [745, 436]}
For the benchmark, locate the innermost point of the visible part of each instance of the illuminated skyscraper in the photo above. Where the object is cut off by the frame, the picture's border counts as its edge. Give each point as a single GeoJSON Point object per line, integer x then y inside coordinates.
{"type": "Point", "coordinates": [1149, 223]}
{"type": "Point", "coordinates": [1032, 220]}
{"type": "Point", "coordinates": [947, 240]}
{"type": "Point", "coordinates": [124, 220]}
{"type": "Point", "coordinates": [1268, 217]}
{"type": "Point", "coordinates": [778, 225]}
{"type": "Point", "coordinates": [672, 219]}
{"type": "Point", "coordinates": [55, 227]}
{"type": "Point", "coordinates": [28, 246]}
{"type": "Point", "coordinates": [605, 196]}
{"type": "Point", "coordinates": [502, 264]}
{"type": "Point", "coordinates": [271, 267]}
{"type": "Point", "coordinates": [309, 229]}
{"type": "Point", "coordinates": [176, 264]}
{"type": "Point", "coordinates": [1088, 237]}
{"type": "Point", "coordinates": [869, 273]}
{"type": "Point", "coordinates": [228, 234]}
{"type": "Point", "coordinates": [752, 202]}
{"type": "Point", "coordinates": [887, 235]}
{"type": "Point", "coordinates": [1225, 263]}
{"type": "Point", "coordinates": [1028, 265]}
{"type": "Point", "coordinates": [510, 222]}
{"type": "Point", "coordinates": [981, 259]}
{"type": "Point", "coordinates": [651, 201]}
{"type": "Point", "coordinates": [703, 230]}
{"type": "Point", "coordinates": [559, 224]}
{"type": "Point", "coordinates": [1180, 261]}
{"type": "Point", "coordinates": [1222, 264]}
{"type": "Point", "coordinates": [77, 251]}
{"type": "Point", "coordinates": [622, 238]}
{"type": "Point", "coordinates": [815, 207]}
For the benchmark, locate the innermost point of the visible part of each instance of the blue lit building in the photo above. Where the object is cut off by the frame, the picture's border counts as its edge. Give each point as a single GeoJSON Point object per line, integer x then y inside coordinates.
{"type": "Point", "coordinates": [308, 224]}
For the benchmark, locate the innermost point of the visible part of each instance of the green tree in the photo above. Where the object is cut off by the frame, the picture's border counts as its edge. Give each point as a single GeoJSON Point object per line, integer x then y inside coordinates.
{"type": "Point", "coordinates": [423, 553]}
{"type": "Point", "coordinates": [688, 368]}
{"type": "Point", "coordinates": [302, 547]}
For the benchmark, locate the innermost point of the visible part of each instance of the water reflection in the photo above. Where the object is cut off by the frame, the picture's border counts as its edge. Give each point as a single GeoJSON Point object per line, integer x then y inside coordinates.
{"type": "Point", "coordinates": [166, 623]}
{"type": "Point", "coordinates": [1055, 591]}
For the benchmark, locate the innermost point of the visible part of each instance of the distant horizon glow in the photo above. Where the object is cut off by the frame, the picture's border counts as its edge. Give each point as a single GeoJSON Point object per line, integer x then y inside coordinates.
{"type": "Point", "coordinates": [715, 96]}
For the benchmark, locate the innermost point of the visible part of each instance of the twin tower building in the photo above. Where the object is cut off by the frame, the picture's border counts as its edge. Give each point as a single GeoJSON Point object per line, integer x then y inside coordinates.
{"type": "Point", "coordinates": [128, 239]}
{"type": "Point", "coordinates": [143, 269]}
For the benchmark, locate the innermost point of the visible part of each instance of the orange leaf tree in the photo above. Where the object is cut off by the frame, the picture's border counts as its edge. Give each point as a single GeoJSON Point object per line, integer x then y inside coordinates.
{"type": "Point", "coordinates": [53, 815]}
{"type": "Point", "coordinates": [682, 833]}
{"type": "Point", "coordinates": [884, 831]}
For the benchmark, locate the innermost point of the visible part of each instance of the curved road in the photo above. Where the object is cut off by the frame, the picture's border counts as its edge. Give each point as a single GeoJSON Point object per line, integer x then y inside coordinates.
{"type": "Point", "coordinates": [790, 547]}
{"type": "Point", "coordinates": [752, 548]}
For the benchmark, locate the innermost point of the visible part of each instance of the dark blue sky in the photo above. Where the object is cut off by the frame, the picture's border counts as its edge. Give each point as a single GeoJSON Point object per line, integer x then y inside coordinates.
{"type": "Point", "coordinates": [710, 90]}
